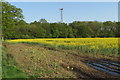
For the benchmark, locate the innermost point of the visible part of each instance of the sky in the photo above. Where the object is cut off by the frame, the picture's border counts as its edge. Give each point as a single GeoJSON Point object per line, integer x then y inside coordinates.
{"type": "Point", "coordinates": [63, 0]}
{"type": "Point", "coordinates": [73, 11]}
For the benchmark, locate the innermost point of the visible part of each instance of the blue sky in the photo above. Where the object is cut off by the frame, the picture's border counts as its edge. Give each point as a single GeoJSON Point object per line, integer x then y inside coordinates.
{"type": "Point", "coordinates": [73, 11]}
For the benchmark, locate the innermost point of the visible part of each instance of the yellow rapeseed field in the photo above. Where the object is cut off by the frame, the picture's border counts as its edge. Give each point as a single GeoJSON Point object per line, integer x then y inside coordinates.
{"type": "Point", "coordinates": [109, 45]}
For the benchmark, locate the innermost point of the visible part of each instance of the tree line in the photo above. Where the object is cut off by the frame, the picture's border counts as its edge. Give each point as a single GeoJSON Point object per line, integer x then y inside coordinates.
{"type": "Point", "coordinates": [14, 27]}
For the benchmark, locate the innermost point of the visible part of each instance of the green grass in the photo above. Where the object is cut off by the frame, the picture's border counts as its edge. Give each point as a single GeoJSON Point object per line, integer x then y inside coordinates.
{"type": "Point", "coordinates": [13, 72]}
{"type": "Point", "coordinates": [9, 69]}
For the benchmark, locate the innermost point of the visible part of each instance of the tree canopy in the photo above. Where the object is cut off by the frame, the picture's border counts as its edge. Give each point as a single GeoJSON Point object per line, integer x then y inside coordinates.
{"type": "Point", "coordinates": [14, 27]}
{"type": "Point", "coordinates": [10, 17]}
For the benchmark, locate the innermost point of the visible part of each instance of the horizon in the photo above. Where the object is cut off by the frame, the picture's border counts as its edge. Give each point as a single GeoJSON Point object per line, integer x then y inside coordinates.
{"type": "Point", "coordinates": [73, 11]}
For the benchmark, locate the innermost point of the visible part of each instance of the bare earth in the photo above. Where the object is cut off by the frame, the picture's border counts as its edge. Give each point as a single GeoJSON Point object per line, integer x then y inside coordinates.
{"type": "Point", "coordinates": [57, 63]}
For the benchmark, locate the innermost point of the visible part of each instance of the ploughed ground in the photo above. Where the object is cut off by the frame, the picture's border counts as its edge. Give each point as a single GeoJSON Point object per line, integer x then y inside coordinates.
{"type": "Point", "coordinates": [46, 62]}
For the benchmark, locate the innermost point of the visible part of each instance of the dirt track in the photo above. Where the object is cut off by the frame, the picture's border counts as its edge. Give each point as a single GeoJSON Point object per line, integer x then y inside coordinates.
{"type": "Point", "coordinates": [44, 57]}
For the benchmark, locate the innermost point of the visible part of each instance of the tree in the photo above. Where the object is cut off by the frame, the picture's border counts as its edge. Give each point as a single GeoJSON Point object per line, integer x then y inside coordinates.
{"type": "Point", "coordinates": [95, 28]}
{"type": "Point", "coordinates": [10, 16]}
{"type": "Point", "coordinates": [43, 21]}
{"type": "Point", "coordinates": [108, 29]}
{"type": "Point", "coordinates": [54, 30]}
{"type": "Point", "coordinates": [15, 27]}
{"type": "Point", "coordinates": [117, 29]}
{"type": "Point", "coordinates": [81, 29]}
{"type": "Point", "coordinates": [71, 32]}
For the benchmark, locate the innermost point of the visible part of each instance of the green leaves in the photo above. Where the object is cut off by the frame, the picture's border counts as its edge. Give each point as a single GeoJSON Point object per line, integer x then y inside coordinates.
{"type": "Point", "coordinates": [13, 27]}
{"type": "Point", "coordinates": [10, 16]}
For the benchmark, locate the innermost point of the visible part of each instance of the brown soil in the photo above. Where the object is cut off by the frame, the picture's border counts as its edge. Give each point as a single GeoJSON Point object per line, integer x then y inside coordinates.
{"type": "Point", "coordinates": [33, 59]}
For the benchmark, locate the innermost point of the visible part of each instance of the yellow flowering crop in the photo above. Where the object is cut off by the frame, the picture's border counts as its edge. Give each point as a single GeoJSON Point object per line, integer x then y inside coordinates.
{"type": "Point", "coordinates": [82, 44]}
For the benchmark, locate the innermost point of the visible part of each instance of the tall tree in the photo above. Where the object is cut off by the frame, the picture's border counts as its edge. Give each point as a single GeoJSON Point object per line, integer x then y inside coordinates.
{"type": "Point", "coordinates": [10, 16]}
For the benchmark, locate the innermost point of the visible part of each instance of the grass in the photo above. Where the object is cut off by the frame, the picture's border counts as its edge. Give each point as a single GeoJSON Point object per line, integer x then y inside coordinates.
{"type": "Point", "coordinates": [9, 69]}
{"type": "Point", "coordinates": [34, 60]}
{"type": "Point", "coordinates": [43, 66]}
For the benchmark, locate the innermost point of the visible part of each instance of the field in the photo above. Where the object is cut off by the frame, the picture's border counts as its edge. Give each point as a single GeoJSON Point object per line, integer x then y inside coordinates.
{"type": "Point", "coordinates": [60, 57]}
{"type": "Point", "coordinates": [87, 45]}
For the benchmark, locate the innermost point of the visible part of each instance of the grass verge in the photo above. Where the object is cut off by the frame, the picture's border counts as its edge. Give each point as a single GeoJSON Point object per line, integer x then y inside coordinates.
{"type": "Point", "coordinates": [9, 69]}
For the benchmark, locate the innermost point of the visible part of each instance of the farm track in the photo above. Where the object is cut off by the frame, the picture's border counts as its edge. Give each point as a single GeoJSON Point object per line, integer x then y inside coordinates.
{"type": "Point", "coordinates": [107, 66]}
{"type": "Point", "coordinates": [71, 59]}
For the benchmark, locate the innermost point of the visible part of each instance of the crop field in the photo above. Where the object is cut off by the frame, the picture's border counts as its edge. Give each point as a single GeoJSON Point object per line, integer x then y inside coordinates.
{"type": "Point", "coordinates": [61, 58]}
{"type": "Point", "coordinates": [85, 45]}
{"type": "Point", "coordinates": [44, 47]}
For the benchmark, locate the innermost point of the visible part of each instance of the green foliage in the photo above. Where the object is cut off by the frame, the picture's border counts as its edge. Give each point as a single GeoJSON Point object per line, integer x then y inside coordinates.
{"type": "Point", "coordinates": [43, 21]}
{"type": "Point", "coordinates": [13, 72]}
{"type": "Point", "coordinates": [16, 28]}
{"type": "Point", "coordinates": [9, 69]}
{"type": "Point", "coordinates": [10, 16]}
